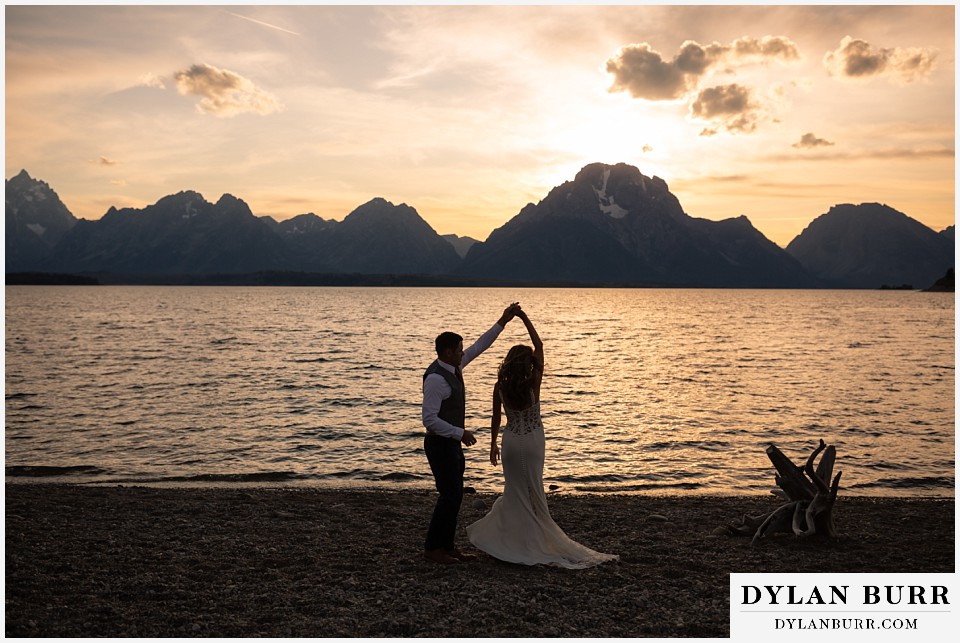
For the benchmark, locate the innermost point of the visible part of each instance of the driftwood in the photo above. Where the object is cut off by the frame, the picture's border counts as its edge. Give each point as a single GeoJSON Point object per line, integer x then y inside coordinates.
{"type": "Point", "coordinates": [809, 511]}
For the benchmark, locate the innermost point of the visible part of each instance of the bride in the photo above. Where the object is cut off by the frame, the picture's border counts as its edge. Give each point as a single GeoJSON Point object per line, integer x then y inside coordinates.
{"type": "Point", "coordinates": [519, 528]}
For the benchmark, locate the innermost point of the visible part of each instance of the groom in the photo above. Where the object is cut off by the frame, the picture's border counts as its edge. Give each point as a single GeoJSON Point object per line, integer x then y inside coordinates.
{"type": "Point", "coordinates": [444, 414]}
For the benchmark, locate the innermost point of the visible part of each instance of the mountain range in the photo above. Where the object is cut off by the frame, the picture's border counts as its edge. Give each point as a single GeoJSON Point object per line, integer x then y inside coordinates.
{"type": "Point", "coordinates": [609, 226]}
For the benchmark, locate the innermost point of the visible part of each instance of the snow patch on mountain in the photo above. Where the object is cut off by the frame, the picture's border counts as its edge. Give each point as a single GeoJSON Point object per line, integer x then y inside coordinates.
{"type": "Point", "coordinates": [613, 210]}
{"type": "Point", "coordinates": [190, 210]}
{"type": "Point", "coordinates": [37, 229]}
{"type": "Point", "coordinates": [35, 193]}
{"type": "Point", "coordinates": [608, 205]}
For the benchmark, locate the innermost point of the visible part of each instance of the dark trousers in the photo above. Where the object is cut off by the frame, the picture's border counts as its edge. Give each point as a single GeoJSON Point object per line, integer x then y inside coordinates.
{"type": "Point", "coordinates": [445, 456]}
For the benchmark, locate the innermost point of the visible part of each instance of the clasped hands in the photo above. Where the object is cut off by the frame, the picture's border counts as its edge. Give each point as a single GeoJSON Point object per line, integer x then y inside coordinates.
{"type": "Point", "coordinates": [509, 313]}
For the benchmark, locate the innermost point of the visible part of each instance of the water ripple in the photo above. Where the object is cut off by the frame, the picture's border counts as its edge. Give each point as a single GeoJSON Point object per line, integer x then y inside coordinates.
{"type": "Point", "coordinates": [662, 391]}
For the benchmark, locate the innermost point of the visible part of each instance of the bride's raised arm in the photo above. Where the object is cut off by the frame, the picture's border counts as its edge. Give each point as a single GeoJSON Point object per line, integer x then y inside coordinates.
{"type": "Point", "coordinates": [534, 337]}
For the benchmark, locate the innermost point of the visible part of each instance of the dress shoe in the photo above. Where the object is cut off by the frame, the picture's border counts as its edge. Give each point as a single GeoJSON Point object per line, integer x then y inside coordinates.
{"type": "Point", "coordinates": [440, 556]}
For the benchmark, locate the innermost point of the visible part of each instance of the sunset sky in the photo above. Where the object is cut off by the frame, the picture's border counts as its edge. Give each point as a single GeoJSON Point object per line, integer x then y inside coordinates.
{"type": "Point", "coordinates": [469, 113]}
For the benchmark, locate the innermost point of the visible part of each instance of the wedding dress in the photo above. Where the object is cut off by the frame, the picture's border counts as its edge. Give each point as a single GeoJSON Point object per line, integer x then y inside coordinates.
{"type": "Point", "coordinates": [519, 528]}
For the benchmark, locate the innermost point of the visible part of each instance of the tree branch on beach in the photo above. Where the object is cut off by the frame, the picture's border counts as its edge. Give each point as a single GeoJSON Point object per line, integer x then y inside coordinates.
{"type": "Point", "coordinates": [809, 511]}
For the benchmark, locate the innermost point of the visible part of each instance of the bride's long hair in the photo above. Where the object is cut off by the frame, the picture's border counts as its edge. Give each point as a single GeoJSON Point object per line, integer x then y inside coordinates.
{"type": "Point", "coordinates": [517, 376]}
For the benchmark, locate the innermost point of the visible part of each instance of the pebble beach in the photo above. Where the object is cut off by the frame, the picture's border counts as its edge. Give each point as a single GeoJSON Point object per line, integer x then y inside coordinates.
{"type": "Point", "coordinates": [97, 561]}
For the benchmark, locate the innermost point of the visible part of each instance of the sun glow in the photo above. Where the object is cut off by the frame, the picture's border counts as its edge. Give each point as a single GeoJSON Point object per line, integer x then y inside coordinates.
{"type": "Point", "coordinates": [497, 106]}
{"type": "Point", "coordinates": [615, 130]}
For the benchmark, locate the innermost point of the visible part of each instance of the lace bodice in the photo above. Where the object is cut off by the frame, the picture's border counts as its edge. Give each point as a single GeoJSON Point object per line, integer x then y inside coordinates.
{"type": "Point", "coordinates": [523, 421]}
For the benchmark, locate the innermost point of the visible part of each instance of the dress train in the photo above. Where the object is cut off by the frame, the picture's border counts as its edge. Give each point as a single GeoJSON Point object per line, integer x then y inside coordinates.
{"type": "Point", "coordinates": [519, 528]}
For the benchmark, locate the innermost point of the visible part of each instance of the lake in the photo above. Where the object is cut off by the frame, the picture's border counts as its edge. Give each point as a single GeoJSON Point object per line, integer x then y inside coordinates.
{"type": "Point", "coordinates": [646, 391]}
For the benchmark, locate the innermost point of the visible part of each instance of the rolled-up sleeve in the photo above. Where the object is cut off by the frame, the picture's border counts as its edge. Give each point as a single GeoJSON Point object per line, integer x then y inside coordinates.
{"type": "Point", "coordinates": [435, 391]}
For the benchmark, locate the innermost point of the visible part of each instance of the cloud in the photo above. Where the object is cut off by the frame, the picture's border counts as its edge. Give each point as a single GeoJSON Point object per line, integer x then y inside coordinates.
{"type": "Point", "coordinates": [731, 107]}
{"type": "Point", "coordinates": [152, 80]}
{"type": "Point", "coordinates": [731, 178]}
{"type": "Point", "coordinates": [858, 59]}
{"type": "Point", "coordinates": [644, 73]}
{"type": "Point", "coordinates": [224, 93]}
{"type": "Point", "coordinates": [884, 154]}
{"type": "Point", "coordinates": [809, 140]}
{"type": "Point", "coordinates": [103, 160]}
{"type": "Point", "coordinates": [767, 48]}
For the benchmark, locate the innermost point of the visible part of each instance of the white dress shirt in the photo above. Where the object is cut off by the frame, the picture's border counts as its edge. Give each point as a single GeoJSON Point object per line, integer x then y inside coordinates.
{"type": "Point", "coordinates": [436, 389]}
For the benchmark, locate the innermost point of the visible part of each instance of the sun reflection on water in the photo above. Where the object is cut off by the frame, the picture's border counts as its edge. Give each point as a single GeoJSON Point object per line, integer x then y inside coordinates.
{"type": "Point", "coordinates": [645, 390]}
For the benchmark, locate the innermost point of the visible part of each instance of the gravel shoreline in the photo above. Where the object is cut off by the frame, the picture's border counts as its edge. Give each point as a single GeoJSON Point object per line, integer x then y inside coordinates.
{"type": "Point", "coordinates": [272, 562]}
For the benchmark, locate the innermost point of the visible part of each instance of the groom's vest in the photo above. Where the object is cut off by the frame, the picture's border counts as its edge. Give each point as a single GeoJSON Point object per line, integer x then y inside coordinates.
{"type": "Point", "coordinates": [453, 409]}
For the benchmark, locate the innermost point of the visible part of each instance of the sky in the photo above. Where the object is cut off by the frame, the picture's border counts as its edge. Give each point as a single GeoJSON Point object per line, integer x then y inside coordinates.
{"type": "Point", "coordinates": [468, 113]}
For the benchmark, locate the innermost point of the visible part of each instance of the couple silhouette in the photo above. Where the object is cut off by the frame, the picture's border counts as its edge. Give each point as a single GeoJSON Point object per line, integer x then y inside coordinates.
{"type": "Point", "coordinates": [518, 528]}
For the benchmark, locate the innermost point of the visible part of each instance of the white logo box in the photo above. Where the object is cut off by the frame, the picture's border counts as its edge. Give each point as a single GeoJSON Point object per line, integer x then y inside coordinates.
{"type": "Point", "coordinates": [843, 607]}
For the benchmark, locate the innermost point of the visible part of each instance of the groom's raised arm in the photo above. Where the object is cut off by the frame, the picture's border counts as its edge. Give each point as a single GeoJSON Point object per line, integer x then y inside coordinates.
{"type": "Point", "coordinates": [487, 339]}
